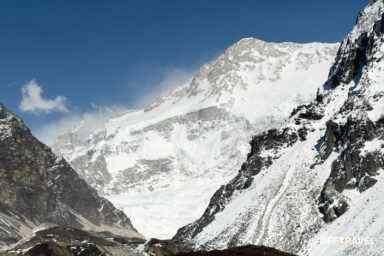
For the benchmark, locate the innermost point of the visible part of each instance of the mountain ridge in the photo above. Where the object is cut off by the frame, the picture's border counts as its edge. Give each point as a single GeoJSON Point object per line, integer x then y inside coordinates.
{"type": "Point", "coordinates": [37, 187]}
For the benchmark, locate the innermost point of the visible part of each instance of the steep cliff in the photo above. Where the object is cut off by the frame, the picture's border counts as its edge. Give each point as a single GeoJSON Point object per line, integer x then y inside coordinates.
{"type": "Point", "coordinates": [38, 187]}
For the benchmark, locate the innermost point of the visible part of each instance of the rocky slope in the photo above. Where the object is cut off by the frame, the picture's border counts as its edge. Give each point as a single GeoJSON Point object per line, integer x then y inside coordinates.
{"type": "Point", "coordinates": [240, 251]}
{"type": "Point", "coordinates": [319, 178]}
{"type": "Point", "coordinates": [161, 164]}
{"type": "Point", "coordinates": [52, 240]}
{"type": "Point", "coordinates": [38, 187]}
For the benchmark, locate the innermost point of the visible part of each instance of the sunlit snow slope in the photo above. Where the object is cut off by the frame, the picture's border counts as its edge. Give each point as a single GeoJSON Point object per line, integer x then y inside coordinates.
{"type": "Point", "coordinates": [319, 176]}
{"type": "Point", "coordinates": [161, 164]}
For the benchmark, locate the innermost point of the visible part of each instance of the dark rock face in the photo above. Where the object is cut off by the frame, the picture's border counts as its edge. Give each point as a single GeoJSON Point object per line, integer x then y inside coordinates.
{"type": "Point", "coordinates": [332, 135]}
{"type": "Point", "coordinates": [353, 169]}
{"type": "Point", "coordinates": [38, 187]}
{"type": "Point", "coordinates": [240, 251]}
{"type": "Point", "coordinates": [53, 249]}
{"type": "Point", "coordinates": [48, 249]}
{"type": "Point", "coordinates": [311, 113]}
{"type": "Point", "coordinates": [85, 250]}
{"type": "Point", "coordinates": [353, 56]}
{"type": "Point", "coordinates": [307, 113]}
{"type": "Point", "coordinates": [348, 65]}
{"type": "Point", "coordinates": [271, 140]}
{"type": "Point", "coordinates": [170, 248]}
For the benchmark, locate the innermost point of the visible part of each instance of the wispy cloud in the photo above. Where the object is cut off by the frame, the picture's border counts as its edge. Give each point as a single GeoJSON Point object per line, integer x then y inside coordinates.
{"type": "Point", "coordinates": [96, 117]}
{"type": "Point", "coordinates": [170, 78]}
{"type": "Point", "coordinates": [86, 123]}
{"type": "Point", "coordinates": [33, 101]}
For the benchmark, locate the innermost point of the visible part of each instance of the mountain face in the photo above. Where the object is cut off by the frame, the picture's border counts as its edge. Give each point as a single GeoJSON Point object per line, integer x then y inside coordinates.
{"type": "Point", "coordinates": [320, 175]}
{"type": "Point", "coordinates": [38, 187]}
{"type": "Point", "coordinates": [161, 164]}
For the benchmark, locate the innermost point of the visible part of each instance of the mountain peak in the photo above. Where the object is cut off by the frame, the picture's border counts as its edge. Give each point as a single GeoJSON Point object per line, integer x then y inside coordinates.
{"type": "Point", "coordinates": [252, 61]}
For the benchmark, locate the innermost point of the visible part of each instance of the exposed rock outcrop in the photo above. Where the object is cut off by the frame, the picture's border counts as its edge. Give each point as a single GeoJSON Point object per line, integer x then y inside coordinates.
{"type": "Point", "coordinates": [272, 141]}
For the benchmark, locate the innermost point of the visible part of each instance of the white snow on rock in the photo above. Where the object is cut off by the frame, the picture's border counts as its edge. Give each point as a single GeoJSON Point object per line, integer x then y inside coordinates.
{"type": "Point", "coordinates": [5, 123]}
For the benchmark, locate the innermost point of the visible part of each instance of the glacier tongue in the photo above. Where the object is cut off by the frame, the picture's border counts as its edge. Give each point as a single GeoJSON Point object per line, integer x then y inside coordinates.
{"type": "Point", "coordinates": [161, 164]}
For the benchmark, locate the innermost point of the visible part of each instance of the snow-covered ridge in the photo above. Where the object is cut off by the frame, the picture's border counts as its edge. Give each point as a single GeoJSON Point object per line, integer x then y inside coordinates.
{"type": "Point", "coordinates": [320, 175]}
{"type": "Point", "coordinates": [161, 164]}
{"type": "Point", "coordinates": [366, 20]}
{"type": "Point", "coordinates": [6, 119]}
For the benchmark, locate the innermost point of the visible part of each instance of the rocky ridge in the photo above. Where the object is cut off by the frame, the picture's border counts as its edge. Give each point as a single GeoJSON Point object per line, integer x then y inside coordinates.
{"type": "Point", "coordinates": [312, 178]}
{"type": "Point", "coordinates": [37, 187]}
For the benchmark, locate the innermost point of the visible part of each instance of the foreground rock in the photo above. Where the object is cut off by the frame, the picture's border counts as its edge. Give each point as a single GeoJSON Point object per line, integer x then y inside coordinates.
{"type": "Point", "coordinates": [249, 250]}
{"type": "Point", "coordinates": [38, 187]}
{"type": "Point", "coordinates": [59, 241]}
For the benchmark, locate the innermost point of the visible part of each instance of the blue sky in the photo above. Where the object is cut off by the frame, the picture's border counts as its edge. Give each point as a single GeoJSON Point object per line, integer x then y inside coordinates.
{"type": "Point", "coordinates": [88, 55]}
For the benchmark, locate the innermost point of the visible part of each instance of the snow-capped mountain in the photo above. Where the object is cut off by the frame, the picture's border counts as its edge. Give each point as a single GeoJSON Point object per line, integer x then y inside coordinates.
{"type": "Point", "coordinates": [161, 164]}
{"type": "Point", "coordinates": [38, 187]}
{"type": "Point", "coordinates": [319, 177]}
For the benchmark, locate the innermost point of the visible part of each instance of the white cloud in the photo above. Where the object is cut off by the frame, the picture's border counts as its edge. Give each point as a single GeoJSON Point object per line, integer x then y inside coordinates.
{"type": "Point", "coordinates": [96, 118]}
{"type": "Point", "coordinates": [32, 100]}
{"type": "Point", "coordinates": [90, 121]}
